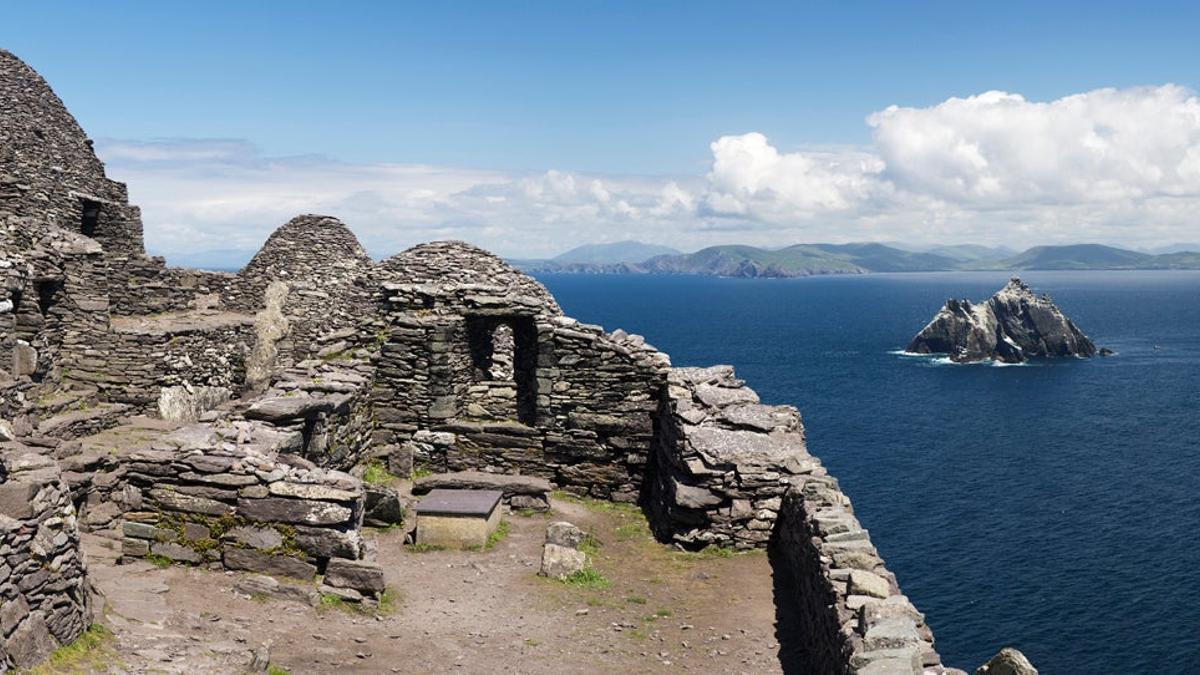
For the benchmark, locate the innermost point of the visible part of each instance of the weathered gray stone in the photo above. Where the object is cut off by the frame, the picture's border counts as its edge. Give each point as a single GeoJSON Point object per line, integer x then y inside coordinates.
{"type": "Point", "coordinates": [1007, 661]}
{"type": "Point", "coordinates": [564, 534]}
{"type": "Point", "coordinates": [360, 576]}
{"type": "Point", "coordinates": [177, 501]}
{"type": "Point", "coordinates": [265, 563]}
{"type": "Point", "coordinates": [255, 537]}
{"type": "Point", "coordinates": [169, 549]}
{"type": "Point", "coordinates": [31, 643]}
{"type": "Point", "coordinates": [285, 408]}
{"type": "Point", "coordinates": [866, 583]}
{"type": "Point", "coordinates": [284, 510]}
{"type": "Point", "coordinates": [312, 491]}
{"type": "Point", "coordinates": [381, 507]}
{"type": "Point", "coordinates": [559, 562]}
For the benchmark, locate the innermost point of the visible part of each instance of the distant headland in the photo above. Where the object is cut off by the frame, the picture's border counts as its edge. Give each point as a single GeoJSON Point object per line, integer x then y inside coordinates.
{"type": "Point", "coordinates": [801, 260]}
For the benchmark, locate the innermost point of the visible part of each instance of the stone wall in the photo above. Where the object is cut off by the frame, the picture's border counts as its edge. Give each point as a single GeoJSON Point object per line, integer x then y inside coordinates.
{"type": "Point", "coordinates": [48, 170]}
{"type": "Point", "coordinates": [45, 599]}
{"type": "Point", "coordinates": [723, 461]}
{"type": "Point", "coordinates": [478, 369]}
{"type": "Point", "coordinates": [141, 285]}
{"type": "Point", "coordinates": [850, 616]}
{"type": "Point", "coordinates": [193, 349]}
{"type": "Point", "coordinates": [328, 403]}
{"type": "Point", "coordinates": [232, 494]}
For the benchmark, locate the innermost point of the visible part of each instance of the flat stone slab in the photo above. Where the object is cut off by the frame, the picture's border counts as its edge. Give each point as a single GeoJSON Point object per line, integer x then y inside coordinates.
{"type": "Point", "coordinates": [468, 503]}
{"type": "Point", "coordinates": [507, 484]}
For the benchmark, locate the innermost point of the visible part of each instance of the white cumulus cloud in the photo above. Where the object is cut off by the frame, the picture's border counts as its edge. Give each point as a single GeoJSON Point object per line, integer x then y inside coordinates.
{"type": "Point", "coordinates": [1116, 166]}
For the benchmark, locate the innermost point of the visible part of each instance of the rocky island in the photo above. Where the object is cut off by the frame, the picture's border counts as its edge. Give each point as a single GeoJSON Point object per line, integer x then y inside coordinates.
{"type": "Point", "coordinates": [1012, 326]}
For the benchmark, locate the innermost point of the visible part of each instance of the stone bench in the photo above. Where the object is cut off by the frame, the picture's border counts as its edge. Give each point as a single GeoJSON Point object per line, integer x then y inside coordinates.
{"type": "Point", "coordinates": [457, 518]}
{"type": "Point", "coordinates": [518, 492]}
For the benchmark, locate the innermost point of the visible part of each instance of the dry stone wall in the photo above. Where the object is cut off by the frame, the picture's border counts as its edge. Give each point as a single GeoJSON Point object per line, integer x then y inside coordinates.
{"type": "Point", "coordinates": [232, 494]}
{"type": "Point", "coordinates": [190, 349]}
{"type": "Point", "coordinates": [48, 170]}
{"type": "Point", "coordinates": [478, 369]}
{"type": "Point", "coordinates": [45, 599]}
{"type": "Point", "coordinates": [723, 461]}
{"type": "Point", "coordinates": [852, 617]}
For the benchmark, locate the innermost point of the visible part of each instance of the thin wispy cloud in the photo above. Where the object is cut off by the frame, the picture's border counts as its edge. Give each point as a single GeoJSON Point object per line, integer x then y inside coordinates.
{"type": "Point", "coordinates": [1119, 166]}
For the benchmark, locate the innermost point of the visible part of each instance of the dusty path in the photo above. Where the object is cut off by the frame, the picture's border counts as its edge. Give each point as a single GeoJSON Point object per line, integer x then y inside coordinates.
{"type": "Point", "coordinates": [468, 612]}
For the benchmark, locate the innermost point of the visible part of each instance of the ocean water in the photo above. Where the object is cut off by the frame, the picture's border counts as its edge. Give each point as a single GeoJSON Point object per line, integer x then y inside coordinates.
{"type": "Point", "coordinates": [1053, 506]}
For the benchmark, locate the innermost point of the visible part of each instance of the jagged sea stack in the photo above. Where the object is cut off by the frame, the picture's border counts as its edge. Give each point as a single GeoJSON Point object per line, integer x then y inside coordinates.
{"type": "Point", "coordinates": [1012, 326]}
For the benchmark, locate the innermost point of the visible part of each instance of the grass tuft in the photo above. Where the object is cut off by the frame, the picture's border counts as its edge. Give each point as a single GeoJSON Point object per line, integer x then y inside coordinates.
{"type": "Point", "coordinates": [588, 578]}
{"type": "Point", "coordinates": [159, 561]}
{"type": "Point", "coordinates": [376, 473]}
{"type": "Point", "coordinates": [273, 669]}
{"type": "Point", "coordinates": [91, 651]}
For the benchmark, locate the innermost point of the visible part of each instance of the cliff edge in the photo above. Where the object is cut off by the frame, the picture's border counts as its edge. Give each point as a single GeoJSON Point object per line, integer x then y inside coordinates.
{"type": "Point", "coordinates": [1012, 326]}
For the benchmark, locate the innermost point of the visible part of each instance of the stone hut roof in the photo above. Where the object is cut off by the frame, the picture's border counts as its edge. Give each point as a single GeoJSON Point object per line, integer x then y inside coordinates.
{"type": "Point", "coordinates": [450, 265]}
{"type": "Point", "coordinates": [47, 164]}
{"type": "Point", "coordinates": [309, 251]}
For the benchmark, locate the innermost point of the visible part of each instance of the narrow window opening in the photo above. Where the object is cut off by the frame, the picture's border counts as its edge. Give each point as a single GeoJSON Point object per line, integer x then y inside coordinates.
{"type": "Point", "coordinates": [48, 293]}
{"type": "Point", "coordinates": [90, 219]}
{"type": "Point", "coordinates": [504, 349]}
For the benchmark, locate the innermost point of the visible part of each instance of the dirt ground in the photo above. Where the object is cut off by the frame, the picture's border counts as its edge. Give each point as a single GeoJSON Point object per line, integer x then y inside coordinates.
{"type": "Point", "coordinates": [460, 611]}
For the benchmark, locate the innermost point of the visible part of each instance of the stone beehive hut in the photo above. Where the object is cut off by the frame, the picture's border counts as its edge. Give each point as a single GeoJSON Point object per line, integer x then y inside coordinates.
{"type": "Point", "coordinates": [442, 355]}
{"type": "Point", "coordinates": [48, 170]}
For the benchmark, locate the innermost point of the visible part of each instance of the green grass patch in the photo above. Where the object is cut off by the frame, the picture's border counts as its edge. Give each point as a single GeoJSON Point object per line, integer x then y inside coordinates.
{"type": "Point", "coordinates": [588, 578]}
{"type": "Point", "coordinates": [663, 613]}
{"type": "Point", "coordinates": [376, 473]}
{"type": "Point", "coordinates": [421, 472]}
{"type": "Point", "coordinates": [498, 536]}
{"type": "Point", "coordinates": [631, 531]}
{"type": "Point", "coordinates": [635, 600]}
{"type": "Point", "coordinates": [590, 545]}
{"type": "Point", "coordinates": [424, 548]}
{"type": "Point", "coordinates": [159, 561]}
{"type": "Point", "coordinates": [387, 605]}
{"type": "Point", "coordinates": [91, 651]}
{"type": "Point", "coordinates": [600, 505]}
{"type": "Point", "coordinates": [273, 669]}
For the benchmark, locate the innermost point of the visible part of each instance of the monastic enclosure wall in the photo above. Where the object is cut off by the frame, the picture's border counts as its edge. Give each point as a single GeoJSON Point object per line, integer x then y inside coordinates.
{"type": "Point", "coordinates": [192, 349]}
{"type": "Point", "coordinates": [722, 461]}
{"type": "Point", "coordinates": [45, 599]}
{"type": "Point", "coordinates": [849, 614]}
{"type": "Point", "coordinates": [141, 285]}
{"type": "Point", "coordinates": [230, 494]}
{"type": "Point", "coordinates": [48, 170]}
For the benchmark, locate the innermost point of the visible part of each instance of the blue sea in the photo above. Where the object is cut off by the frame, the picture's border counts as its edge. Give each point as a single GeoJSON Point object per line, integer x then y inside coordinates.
{"type": "Point", "coordinates": [1053, 506]}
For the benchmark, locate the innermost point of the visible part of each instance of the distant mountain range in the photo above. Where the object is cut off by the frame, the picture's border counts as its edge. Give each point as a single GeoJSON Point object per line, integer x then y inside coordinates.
{"type": "Point", "coordinates": [809, 259]}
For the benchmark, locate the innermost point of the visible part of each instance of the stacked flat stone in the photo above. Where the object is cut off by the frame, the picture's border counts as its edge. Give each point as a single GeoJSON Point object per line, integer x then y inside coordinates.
{"type": "Point", "coordinates": [723, 460]}
{"type": "Point", "coordinates": [232, 494]}
{"type": "Point", "coordinates": [48, 167]}
{"type": "Point", "coordinates": [577, 409]}
{"type": "Point", "coordinates": [852, 615]}
{"type": "Point", "coordinates": [45, 599]}
{"type": "Point", "coordinates": [328, 403]}
{"type": "Point", "coordinates": [328, 275]}
{"type": "Point", "coordinates": [192, 349]}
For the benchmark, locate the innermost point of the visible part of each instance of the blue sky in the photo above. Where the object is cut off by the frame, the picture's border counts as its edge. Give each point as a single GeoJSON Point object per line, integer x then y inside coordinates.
{"type": "Point", "coordinates": [624, 93]}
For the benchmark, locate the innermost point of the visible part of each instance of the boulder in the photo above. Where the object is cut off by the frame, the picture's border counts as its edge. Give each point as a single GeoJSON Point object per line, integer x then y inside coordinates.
{"type": "Point", "coordinates": [382, 507]}
{"type": "Point", "coordinates": [560, 562]}
{"type": "Point", "coordinates": [354, 574]}
{"type": "Point", "coordinates": [31, 643]}
{"type": "Point", "coordinates": [564, 534]}
{"type": "Point", "coordinates": [1007, 661]}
